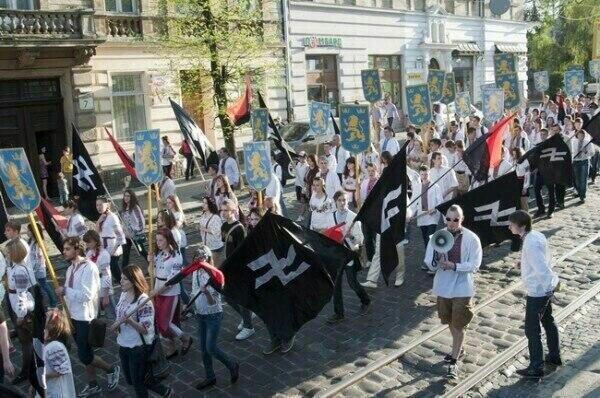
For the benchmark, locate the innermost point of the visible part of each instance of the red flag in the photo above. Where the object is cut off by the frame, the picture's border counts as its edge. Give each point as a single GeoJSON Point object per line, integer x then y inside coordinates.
{"type": "Point", "coordinates": [46, 212]}
{"type": "Point", "coordinates": [239, 111]}
{"type": "Point", "coordinates": [495, 138]}
{"type": "Point", "coordinates": [124, 156]}
{"type": "Point", "coordinates": [335, 233]}
{"type": "Point", "coordinates": [217, 279]}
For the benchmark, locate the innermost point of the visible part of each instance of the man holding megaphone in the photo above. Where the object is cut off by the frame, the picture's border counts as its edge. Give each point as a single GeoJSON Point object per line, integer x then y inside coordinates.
{"type": "Point", "coordinates": [454, 253]}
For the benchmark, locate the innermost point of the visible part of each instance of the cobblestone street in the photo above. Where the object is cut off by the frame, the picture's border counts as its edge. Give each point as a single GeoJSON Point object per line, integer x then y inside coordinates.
{"type": "Point", "coordinates": [324, 354]}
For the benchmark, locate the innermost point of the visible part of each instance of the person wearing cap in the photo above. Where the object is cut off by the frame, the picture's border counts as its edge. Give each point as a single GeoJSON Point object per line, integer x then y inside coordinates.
{"type": "Point", "coordinates": [209, 314]}
{"type": "Point", "coordinates": [341, 155]}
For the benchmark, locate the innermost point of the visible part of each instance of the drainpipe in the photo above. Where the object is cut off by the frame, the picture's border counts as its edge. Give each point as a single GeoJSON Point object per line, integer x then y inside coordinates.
{"type": "Point", "coordinates": [288, 58]}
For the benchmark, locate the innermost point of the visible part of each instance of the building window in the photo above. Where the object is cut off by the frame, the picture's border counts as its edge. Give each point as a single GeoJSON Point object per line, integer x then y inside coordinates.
{"type": "Point", "coordinates": [387, 4]}
{"type": "Point", "coordinates": [125, 6]}
{"type": "Point", "coordinates": [129, 111]}
{"type": "Point", "coordinates": [390, 74]}
{"type": "Point", "coordinates": [17, 4]}
{"type": "Point", "coordinates": [462, 65]}
{"type": "Point", "coordinates": [322, 80]}
{"type": "Point", "coordinates": [346, 2]}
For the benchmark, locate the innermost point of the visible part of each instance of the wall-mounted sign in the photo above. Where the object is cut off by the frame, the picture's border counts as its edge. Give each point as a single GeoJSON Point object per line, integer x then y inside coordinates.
{"type": "Point", "coordinates": [320, 41]}
{"type": "Point", "coordinates": [86, 101]}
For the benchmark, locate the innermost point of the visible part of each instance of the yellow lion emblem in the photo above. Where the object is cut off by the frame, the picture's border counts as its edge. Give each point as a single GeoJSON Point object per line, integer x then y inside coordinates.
{"type": "Point", "coordinates": [463, 106]}
{"type": "Point", "coordinates": [356, 133]}
{"type": "Point", "coordinates": [509, 94]}
{"type": "Point", "coordinates": [433, 85]}
{"type": "Point", "coordinates": [503, 67]}
{"type": "Point", "coordinates": [370, 88]}
{"type": "Point", "coordinates": [15, 181]}
{"type": "Point", "coordinates": [147, 160]}
{"type": "Point", "coordinates": [418, 105]}
{"type": "Point", "coordinates": [319, 119]}
{"type": "Point", "coordinates": [493, 104]}
{"type": "Point", "coordinates": [258, 171]}
{"type": "Point", "coordinates": [574, 84]}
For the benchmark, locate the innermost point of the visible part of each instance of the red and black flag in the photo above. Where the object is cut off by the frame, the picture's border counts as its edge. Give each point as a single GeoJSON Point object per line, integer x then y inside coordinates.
{"type": "Point", "coordinates": [87, 182]}
{"type": "Point", "coordinates": [47, 213]}
{"type": "Point", "coordinates": [128, 163]}
{"type": "Point", "coordinates": [239, 111]}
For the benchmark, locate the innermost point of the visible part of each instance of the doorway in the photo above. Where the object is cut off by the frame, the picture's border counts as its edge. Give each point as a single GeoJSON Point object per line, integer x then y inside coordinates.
{"type": "Point", "coordinates": [322, 80]}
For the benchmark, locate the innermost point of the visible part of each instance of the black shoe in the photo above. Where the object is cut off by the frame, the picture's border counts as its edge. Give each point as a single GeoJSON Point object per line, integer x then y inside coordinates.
{"type": "Point", "coordinates": [364, 308]}
{"type": "Point", "coordinates": [539, 213]}
{"type": "Point", "coordinates": [550, 215]}
{"type": "Point", "coordinates": [273, 347]}
{"type": "Point", "coordinates": [19, 379]}
{"type": "Point", "coordinates": [556, 361]}
{"type": "Point", "coordinates": [235, 373]}
{"type": "Point", "coordinates": [335, 318]}
{"type": "Point", "coordinates": [560, 206]}
{"type": "Point", "coordinates": [529, 373]}
{"type": "Point", "coordinates": [448, 358]}
{"type": "Point", "coordinates": [206, 383]}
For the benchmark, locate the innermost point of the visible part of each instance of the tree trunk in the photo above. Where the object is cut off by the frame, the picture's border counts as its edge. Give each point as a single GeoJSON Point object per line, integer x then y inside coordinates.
{"type": "Point", "coordinates": [219, 81]}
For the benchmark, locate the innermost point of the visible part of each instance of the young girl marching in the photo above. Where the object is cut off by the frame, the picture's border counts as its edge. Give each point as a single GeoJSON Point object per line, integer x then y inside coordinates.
{"type": "Point", "coordinates": [100, 256]}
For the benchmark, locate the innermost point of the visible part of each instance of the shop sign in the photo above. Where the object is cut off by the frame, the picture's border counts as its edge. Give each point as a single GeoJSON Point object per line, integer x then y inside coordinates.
{"type": "Point", "coordinates": [320, 41]}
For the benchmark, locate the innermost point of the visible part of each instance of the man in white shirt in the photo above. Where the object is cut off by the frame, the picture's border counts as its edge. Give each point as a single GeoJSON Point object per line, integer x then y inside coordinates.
{"type": "Point", "coordinates": [438, 119]}
{"type": "Point", "coordinates": [388, 142]}
{"type": "Point", "coordinates": [353, 240]}
{"type": "Point", "coordinates": [331, 159]}
{"type": "Point", "coordinates": [229, 167]}
{"type": "Point", "coordinates": [471, 137]}
{"type": "Point", "coordinates": [341, 155]}
{"type": "Point", "coordinates": [443, 176]}
{"type": "Point", "coordinates": [479, 129]}
{"type": "Point", "coordinates": [376, 116]}
{"type": "Point", "coordinates": [582, 150]}
{"type": "Point", "coordinates": [453, 283]}
{"type": "Point", "coordinates": [391, 112]}
{"type": "Point", "coordinates": [426, 198]}
{"type": "Point", "coordinates": [455, 133]}
{"type": "Point", "coordinates": [540, 283]}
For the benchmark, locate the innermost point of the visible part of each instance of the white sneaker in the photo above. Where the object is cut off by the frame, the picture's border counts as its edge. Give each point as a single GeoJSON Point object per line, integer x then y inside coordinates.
{"type": "Point", "coordinates": [112, 379]}
{"type": "Point", "coordinates": [241, 325]}
{"type": "Point", "coordinates": [89, 391]}
{"type": "Point", "coordinates": [399, 282]}
{"type": "Point", "coordinates": [369, 284]}
{"type": "Point", "coordinates": [424, 267]}
{"type": "Point", "coordinates": [244, 334]}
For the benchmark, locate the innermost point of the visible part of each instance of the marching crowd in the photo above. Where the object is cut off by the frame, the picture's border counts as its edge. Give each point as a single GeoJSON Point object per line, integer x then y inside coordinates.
{"type": "Point", "coordinates": [329, 189]}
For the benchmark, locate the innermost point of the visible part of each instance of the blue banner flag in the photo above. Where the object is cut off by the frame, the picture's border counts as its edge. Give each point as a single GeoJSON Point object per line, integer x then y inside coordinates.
{"type": "Point", "coordinates": [435, 81]}
{"type": "Point", "coordinates": [504, 63]}
{"type": "Point", "coordinates": [147, 156]}
{"type": "Point", "coordinates": [419, 104]}
{"type": "Point", "coordinates": [595, 68]}
{"type": "Point", "coordinates": [509, 83]}
{"type": "Point", "coordinates": [371, 84]}
{"type": "Point", "coordinates": [449, 89]}
{"type": "Point", "coordinates": [319, 117]}
{"type": "Point", "coordinates": [18, 179]}
{"type": "Point", "coordinates": [259, 118]}
{"type": "Point", "coordinates": [354, 128]}
{"type": "Point", "coordinates": [463, 104]}
{"type": "Point", "coordinates": [574, 82]}
{"type": "Point", "coordinates": [257, 158]}
{"type": "Point", "coordinates": [541, 81]}
{"type": "Point", "coordinates": [492, 103]}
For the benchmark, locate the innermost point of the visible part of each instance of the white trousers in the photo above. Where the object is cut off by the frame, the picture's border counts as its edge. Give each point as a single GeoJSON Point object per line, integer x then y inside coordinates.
{"type": "Point", "coordinates": [375, 268]}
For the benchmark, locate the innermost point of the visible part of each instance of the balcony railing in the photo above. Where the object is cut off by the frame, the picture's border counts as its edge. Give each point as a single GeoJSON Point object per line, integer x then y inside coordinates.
{"type": "Point", "coordinates": [118, 27]}
{"type": "Point", "coordinates": [33, 25]}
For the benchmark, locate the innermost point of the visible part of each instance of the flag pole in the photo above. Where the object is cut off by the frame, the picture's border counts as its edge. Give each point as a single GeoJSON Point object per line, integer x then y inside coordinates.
{"type": "Point", "coordinates": [260, 201]}
{"type": "Point", "coordinates": [38, 238]}
{"type": "Point", "coordinates": [150, 234]}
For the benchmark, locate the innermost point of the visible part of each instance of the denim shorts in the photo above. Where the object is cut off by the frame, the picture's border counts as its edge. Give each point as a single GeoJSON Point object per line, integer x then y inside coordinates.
{"type": "Point", "coordinates": [85, 352]}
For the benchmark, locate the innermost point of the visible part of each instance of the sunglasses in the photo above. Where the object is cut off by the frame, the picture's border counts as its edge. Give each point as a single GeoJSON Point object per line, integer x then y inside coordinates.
{"type": "Point", "coordinates": [452, 219]}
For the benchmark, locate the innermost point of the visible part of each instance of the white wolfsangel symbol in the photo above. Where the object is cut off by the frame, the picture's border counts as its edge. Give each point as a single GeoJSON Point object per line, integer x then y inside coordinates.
{"type": "Point", "coordinates": [277, 267]}
{"type": "Point", "coordinates": [553, 155]}
{"type": "Point", "coordinates": [83, 175]}
{"type": "Point", "coordinates": [494, 214]}
{"type": "Point", "coordinates": [387, 214]}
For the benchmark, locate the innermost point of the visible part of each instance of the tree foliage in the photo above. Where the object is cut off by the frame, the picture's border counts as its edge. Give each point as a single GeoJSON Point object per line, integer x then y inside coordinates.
{"type": "Point", "coordinates": [217, 42]}
{"type": "Point", "coordinates": [563, 36]}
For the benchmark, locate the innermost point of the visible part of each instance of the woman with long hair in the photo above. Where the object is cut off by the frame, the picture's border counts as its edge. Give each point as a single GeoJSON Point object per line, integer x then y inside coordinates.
{"type": "Point", "coordinates": [137, 333]}
{"type": "Point", "coordinates": [111, 232]}
{"type": "Point", "coordinates": [44, 163]}
{"type": "Point", "coordinates": [167, 220]}
{"type": "Point", "coordinates": [167, 156]}
{"type": "Point", "coordinates": [75, 223]}
{"type": "Point", "coordinates": [100, 256]}
{"type": "Point", "coordinates": [209, 224]}
{"type": "Point", "coordinates": [167, 263]}
{"type": "Point", "coordinates": [57, 364]}
{"type": "Point", "coordinates": [223, 190]}
{"type": "Point", "coordinates": [321, 206]}
{"type": "Point", "coordinates": [350, 181]}
{"type": "Point", "coordinates": [134, 225]}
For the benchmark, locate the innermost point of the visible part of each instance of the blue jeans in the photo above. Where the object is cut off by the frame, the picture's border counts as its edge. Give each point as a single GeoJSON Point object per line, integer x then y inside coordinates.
{"type": "Point", "coordinates": [133, 362]}
{"type": "Point", "coordinates": [52, 301]}
{"type": "Point", "coordinates": [208, 330]}
{"type": "Point", "coordinates": [581, 169]}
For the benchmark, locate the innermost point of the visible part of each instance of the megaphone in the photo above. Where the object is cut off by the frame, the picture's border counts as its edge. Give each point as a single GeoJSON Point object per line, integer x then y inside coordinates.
{"type": "Point", "coordinates": [442, 241]}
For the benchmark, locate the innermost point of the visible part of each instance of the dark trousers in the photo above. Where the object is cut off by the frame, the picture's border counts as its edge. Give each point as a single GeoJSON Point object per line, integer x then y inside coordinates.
{"type": "Point", "coordinates": [369, 241]}
{"type": "Point", "coordinates": [189, 166]}
{"type": "Point", "coordinates": [595, 166]}
{"type": "Point", "coordinates": [133, 362]}
{"type": "Point", "coordinates": [580, 170]}
{"type": "Point", "coordinates": [244, 313]}
{"type": "Point", "coordinates": [338, 300]}
{"type": "Point", "coordinates": [208, 331]}
{"type": "Point", "coordinates": [115, 269]}
{"type": "Point", "coordinates": [390, 121]}
{"type": "Point", "coordinates": [427, 231]}
{"type": "Point", "coordinates": [539, 200]}
{"type": "Point", "coordinates": [539, 310]}
{"type": "Point", "coordinates": [127, 251]}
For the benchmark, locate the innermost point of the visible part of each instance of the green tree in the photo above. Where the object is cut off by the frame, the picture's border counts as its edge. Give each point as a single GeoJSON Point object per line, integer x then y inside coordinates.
{"type": "Point", "coordinates": [563, 36]}
{"type": "Point", "coordinates": [217, 42]}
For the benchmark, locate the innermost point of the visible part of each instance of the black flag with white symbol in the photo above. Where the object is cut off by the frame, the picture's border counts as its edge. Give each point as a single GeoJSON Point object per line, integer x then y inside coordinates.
{"type": "Point", "coordinates": [487, 207]}
{"type": "Point", "coordinates": [552, 159]}
{"type": "Point", "coordinates": [384, 211]}
{"type": "Point", "coordinates": [284, 273]}
{"type": "Point", "coordinates": [87, 183]}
